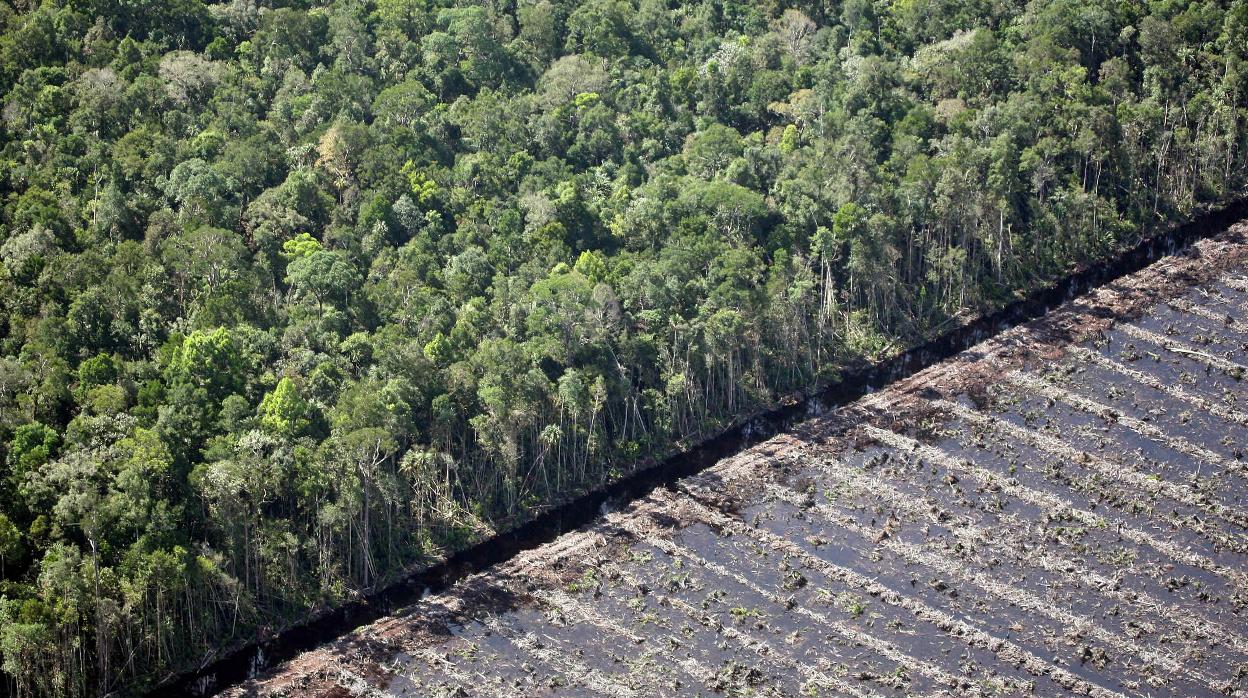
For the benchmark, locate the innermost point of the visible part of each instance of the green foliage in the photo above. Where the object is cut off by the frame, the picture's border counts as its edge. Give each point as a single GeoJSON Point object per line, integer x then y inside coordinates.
{"type": "Point", "coordinates": [710, 151]}
{"type": "Point", "coordinates": [300, 246]}
{"type": "Point", "coordinates": [318, 290]}
{"type": "Point", "coordinates": [422, 187]}
{"type": "Point", "coordinates": [11, 546]}
{"type": "Point", "coordinates": [325, 275]}
{"type": "Point", "coordinates": [100, 369]}
{"type": "Point", "coordinates": [284, 412]}
{"type": "Point", "coordinates": [32, 445]}
{"type": "Point", "coordinates": [208, 361]}
{"type": "Point", "coordinates": [591, 266]}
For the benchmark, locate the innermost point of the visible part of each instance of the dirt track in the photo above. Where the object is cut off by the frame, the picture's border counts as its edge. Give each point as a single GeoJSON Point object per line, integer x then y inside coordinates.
{"type": "Point", "coordinates": [1060, 509]}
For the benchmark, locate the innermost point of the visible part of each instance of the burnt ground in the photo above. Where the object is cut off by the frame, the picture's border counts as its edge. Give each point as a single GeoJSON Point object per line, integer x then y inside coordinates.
{"type": "Point", "coordinates": [1062, 509]}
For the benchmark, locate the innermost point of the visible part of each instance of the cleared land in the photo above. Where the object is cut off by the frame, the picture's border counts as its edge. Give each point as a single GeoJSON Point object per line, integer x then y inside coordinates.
{"type": "Point", "coordinates": [1060, 509]}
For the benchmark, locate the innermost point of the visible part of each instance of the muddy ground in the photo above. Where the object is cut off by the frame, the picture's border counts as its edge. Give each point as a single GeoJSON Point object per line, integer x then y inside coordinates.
{"type": "Point", "coordinates": [1062, 509]}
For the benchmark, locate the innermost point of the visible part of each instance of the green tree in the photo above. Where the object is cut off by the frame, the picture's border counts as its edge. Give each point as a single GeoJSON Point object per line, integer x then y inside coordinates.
{"type": "Point", "coordinates": [208, 360]}
{"type": "Point", "coordinates": [326, 276]}
{"type": "Point", "coordinates": [32, 446]}
{"type": "Point", "coordinates": [283, 411]}
{"type": "Point", "coordinates": [709, 151]}
{"type": "Point", "coordinates": [11, 548]}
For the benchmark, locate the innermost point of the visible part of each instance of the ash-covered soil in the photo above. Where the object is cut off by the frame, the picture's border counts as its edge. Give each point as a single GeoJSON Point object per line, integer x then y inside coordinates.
{"type": "Point", "coordinates": [1062, 509]}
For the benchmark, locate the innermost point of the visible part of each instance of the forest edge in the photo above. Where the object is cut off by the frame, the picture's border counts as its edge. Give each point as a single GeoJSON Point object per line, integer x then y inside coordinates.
{"type": "Point", "coordinates": [854, 381]}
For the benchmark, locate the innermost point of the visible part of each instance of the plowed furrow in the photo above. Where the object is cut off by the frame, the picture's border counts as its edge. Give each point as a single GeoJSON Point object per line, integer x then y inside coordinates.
{"type": "Point", "coordinates": [1004, 536]}
{"type": "Point", "coordinates": [1172, 389]}
{"type": "Point", "coordinates": [1055, 504]}
{"type": "Point", "coordinates": [1176, 346]}
{"type": "Point", "coordinates": [1007, 650]}
{"type": "Point", "coordinates": [1123, 473]}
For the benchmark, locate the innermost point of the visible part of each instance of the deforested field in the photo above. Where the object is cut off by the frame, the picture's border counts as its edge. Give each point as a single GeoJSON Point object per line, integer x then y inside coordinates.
{"type": "Point", "coordinates": [1062, 509]}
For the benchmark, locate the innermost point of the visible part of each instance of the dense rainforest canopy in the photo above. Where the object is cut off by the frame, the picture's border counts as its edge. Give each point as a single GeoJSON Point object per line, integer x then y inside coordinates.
{"type": "Point", "coordinates": [298, 295]}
